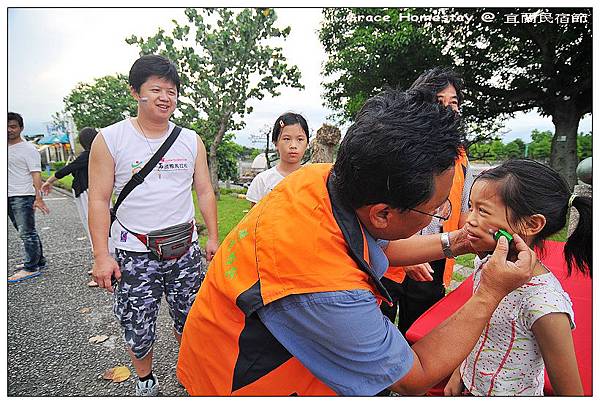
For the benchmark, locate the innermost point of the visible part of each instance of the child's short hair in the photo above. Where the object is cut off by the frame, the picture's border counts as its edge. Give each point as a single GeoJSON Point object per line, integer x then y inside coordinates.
{"type": "Point", "coordinates": [86, 137]}
{"type": "Point", "coordinates": [528, 187]}
{"type": "Point", "coordinates": [289, 118]}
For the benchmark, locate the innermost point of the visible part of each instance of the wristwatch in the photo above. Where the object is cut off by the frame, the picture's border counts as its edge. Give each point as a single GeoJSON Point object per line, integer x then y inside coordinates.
{"type": "Point", "coordinates": [446, 245]}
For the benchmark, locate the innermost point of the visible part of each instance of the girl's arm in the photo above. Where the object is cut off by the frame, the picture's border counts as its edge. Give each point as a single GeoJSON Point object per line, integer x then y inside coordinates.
{"type": "Point", "coordinates": [553, 335]}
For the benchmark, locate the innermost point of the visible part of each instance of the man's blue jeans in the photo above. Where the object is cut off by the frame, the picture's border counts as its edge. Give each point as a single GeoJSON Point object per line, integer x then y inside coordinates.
{"type": "Point", "coordinates": [21, 214]}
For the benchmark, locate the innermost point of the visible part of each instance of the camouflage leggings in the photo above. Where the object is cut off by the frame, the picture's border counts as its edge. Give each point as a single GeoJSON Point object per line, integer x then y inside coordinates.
{"type": "Point", "coordinates": [143, 282]}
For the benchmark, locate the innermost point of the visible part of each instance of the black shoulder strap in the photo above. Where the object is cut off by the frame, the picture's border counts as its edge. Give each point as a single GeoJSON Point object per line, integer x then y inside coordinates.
{"type": "Point", "coordinates": [138, 177]}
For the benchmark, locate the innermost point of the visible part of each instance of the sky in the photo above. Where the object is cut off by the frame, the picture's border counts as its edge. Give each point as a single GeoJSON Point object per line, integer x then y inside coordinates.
{"type": "Point", "coordinates": [50, 50]}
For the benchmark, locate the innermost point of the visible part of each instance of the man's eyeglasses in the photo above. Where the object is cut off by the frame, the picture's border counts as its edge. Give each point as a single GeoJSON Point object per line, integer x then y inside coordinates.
{"type": "Point", "coordinates": [443, 212]}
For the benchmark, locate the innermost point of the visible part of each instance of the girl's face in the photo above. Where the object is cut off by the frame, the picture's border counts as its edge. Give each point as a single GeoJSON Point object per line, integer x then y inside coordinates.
{"type": "Point", "coordinates": [292, 144]}
{"type": "Point", "coordinates": [487, 214]}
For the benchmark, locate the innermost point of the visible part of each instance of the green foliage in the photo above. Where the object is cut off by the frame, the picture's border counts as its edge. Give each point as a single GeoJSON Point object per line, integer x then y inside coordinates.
{"type": "Point", "coordinates": [539, 148]}
{"type": "Point", "coordinates": [507, 67]}
{"type": "Point", "coordinates": [228, 153]}
{"type": "Point", "coordinates": [584, 146]}
{"type": "Point", "coordinates": [57, 165]}
{"type": "Point", "coordinates": [224, 61]}
{"type": "Point", "coordinates": [368, 49]}
{"type": "Point", "coordinates": [101, 103]}
{"type": "Point", "coordinates": [541, 145]}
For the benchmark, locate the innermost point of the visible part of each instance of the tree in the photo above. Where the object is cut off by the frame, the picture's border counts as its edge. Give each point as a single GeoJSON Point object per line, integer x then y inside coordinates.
{"type": "Point", "coordinates": [541, 145]}
{"type": "Point", "coordinates": [228, 154]}
{"type": "Point", "coordinates": [507, 67]}
{"type": "Point", "coordinates": [228, 65]}
{"type": "Point", "coordinates": [369, 49]}
{"type": "Point", "coordinates": [101, 103]}
{"type": "Point", "coordinates": [544, 64]}
{"type": "Point", "coordinates": [514, 149]}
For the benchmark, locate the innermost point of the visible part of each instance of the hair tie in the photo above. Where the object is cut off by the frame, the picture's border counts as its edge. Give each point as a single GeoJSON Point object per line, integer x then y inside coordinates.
{"type": "Point", "coordinates": [571, 199]}
{"type": "Point", "coordinates": [281, 124]}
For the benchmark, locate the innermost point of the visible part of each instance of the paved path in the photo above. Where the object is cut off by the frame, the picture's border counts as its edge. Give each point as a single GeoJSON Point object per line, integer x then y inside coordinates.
{"type": "Point", "coordinates": [47, 337]}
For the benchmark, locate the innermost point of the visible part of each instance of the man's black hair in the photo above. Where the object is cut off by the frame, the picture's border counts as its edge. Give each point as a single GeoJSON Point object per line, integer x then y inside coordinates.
{"type": "Point", "coordinates": [399, 141]}
{"type": "Point", "coordinates": [289, 118]}
{"type": "Point", "coordinates": [437, 79]}
{"type": "Point", "coordinates": [152, 65]}
{"type": "Point", "coordinates": [13, 116]}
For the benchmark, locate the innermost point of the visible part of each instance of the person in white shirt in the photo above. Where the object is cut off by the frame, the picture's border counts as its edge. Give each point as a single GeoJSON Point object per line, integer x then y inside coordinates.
{"type": "Point", "coordinates": [24, 197]}
{"type": "Point", "coordinates": [290, 136]}
{"type": "Point", "coordinates": [163, 200]}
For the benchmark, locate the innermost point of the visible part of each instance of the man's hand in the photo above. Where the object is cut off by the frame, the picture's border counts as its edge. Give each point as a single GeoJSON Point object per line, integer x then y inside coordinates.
{"type": "Point", "coordinates": [419, 272]}
{"type": "Point", "coordinates": [41, 205]}
{"type": "Point", "coordinates": [500, 276]}
{"type": "Point", "coordinates": [455, 386]}
{"type": "Point", "coordinates": [46, 187]}
{"type": "Point", "coordinates": [459, 244]}
{"type": "Point", "coordinates": [104, 268]}
{"type": "Point", "coordinates": [211, 249]}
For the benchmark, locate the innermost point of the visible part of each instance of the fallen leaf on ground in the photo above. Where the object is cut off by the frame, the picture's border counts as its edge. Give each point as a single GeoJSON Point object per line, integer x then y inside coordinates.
{"type": "Point", "coordinates": [117, 374]}
{"type": "Point", "coordinates": [85, 310]}
{"type": "Point", "coordinates": [98, 339]}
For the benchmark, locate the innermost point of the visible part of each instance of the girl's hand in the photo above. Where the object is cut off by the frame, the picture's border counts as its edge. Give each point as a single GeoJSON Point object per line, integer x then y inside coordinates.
{"type": "Point", "coordinates": [455, 386]}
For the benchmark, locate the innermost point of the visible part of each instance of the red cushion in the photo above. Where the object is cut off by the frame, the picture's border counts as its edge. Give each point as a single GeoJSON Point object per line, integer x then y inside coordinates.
{"type": "Point", "coordinates": [577, 286]}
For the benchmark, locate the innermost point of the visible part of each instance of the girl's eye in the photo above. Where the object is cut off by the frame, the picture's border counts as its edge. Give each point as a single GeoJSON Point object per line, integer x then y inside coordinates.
{"type": "Point", "coordinates": [483, 211]}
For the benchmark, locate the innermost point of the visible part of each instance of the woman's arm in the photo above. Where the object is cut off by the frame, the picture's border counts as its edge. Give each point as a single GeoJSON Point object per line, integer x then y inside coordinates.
{"type": "Point", "coordinates": [553, 335]}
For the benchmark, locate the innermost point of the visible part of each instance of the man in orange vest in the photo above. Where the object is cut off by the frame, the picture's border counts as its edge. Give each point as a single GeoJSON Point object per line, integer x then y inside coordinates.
{"type": "Point", "coordinates": [414, 289]}
{"type": "Point", "coordinates": [290, 303]}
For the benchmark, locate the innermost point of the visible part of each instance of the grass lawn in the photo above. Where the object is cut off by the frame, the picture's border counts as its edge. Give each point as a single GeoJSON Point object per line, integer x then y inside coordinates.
{"type": "Point", "coordinates": [230, 210]}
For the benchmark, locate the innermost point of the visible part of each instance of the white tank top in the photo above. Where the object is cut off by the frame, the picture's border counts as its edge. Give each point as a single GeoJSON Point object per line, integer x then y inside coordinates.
{"type": "Point", "coordinates": [165, 197]}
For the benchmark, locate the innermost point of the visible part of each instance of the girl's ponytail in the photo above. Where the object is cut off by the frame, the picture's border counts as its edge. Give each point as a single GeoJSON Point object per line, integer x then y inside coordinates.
{"type": "Point", "coordinates": [578, 250]}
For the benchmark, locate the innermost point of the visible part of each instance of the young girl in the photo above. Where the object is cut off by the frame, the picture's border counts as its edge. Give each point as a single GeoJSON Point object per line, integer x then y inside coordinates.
{"type": "Point", "coordinates": [532, 325]}
{"type": "Point", "coordinates": [290, 136]}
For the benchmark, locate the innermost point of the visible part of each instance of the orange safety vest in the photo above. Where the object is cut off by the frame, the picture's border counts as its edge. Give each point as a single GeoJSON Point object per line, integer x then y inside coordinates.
{"type": "Point", "coordinates": [298, 239]}
{"type": "Point", "coordinates": [397, 274]}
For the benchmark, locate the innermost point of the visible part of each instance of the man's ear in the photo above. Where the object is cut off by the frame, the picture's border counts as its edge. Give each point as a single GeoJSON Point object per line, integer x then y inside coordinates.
{"type": "Point", "coordinates": [134, 93]}
{"type": "Point", "coordinates": [534, 224]}
{"type": "Point", "coordinates": [379, 215]}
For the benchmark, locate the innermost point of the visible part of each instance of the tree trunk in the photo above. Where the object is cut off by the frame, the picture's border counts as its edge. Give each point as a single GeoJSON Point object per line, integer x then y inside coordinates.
{"type": "Point", "coordinates": [213, 161]}
{"type": "Point", "coordinates": [563, 157]}
{"type": "Point", "coordinates": [323, 145]}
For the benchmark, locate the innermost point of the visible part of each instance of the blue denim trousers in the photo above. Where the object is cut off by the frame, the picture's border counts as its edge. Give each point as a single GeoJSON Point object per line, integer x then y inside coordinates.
{"type": "Point", "coordinates": [21, 214]}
